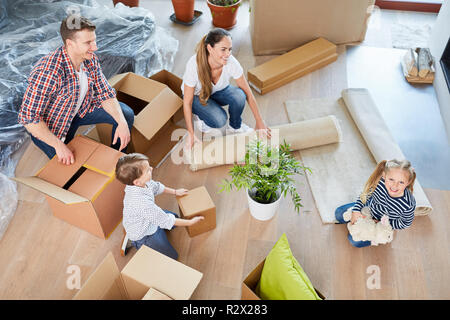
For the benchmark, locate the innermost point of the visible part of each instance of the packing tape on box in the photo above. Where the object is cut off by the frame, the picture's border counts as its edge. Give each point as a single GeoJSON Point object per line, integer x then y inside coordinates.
{"type": "Point", "coordinates": [231, 149]}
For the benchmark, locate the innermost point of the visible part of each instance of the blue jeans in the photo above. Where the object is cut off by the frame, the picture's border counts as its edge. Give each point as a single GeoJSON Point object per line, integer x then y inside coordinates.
{"type": "Point", "coordinates": [99, 115]}
{"type": "Point", "coordinates": [158, 241]}
{"type": "Point", "coordinates": [339, 214]}
{"type": "Point", "coordinates": [213, 113]}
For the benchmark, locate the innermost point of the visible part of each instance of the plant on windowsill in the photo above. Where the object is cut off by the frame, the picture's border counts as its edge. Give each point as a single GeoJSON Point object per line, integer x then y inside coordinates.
{"type": "Point", "coordinates": [224, 12]}
{"type": "Point", "coordinates": [266, 175]}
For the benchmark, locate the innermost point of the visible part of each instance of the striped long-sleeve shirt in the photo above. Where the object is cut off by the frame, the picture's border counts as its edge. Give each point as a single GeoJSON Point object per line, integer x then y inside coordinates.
{"type": "Point", "coordinates": [400, 210]}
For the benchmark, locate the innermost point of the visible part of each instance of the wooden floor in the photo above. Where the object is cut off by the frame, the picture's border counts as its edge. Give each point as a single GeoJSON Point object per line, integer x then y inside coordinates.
{"type": "Point", "coordinates": [38, 248]}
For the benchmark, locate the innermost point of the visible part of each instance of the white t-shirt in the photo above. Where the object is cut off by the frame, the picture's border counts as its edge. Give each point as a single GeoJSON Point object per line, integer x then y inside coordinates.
{"type": "Point", "coordinates": [232, 69]}
{"type": "Point", "coordinates": [83, 80]}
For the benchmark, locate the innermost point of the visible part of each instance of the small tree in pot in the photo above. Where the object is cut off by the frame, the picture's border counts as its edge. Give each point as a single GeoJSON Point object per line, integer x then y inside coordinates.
{"type": "Point", "coordinates": [224, 12]}
{"type": "Point", "coordinates": [266, 175]}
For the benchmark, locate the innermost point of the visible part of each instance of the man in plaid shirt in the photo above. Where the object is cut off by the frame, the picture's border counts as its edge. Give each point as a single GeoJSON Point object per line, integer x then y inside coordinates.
{"type": "Point", "coordinates": [67, 89]}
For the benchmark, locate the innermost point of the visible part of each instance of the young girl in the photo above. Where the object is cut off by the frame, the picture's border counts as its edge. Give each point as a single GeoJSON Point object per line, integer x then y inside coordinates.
{"type": "Point", "coordinates": [388, 192]}
{"type": "Point", "coordinates": [206, 88]}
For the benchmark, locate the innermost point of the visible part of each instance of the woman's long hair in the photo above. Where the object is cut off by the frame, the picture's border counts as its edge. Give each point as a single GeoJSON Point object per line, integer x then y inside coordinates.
{"type": "Point", "coordinates": [385, 166]}
{"type": "Point", "coordinates": [203, 69]}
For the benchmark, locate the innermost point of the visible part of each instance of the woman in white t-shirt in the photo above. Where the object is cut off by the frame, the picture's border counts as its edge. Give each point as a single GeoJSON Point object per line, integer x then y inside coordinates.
{"type": "Point", "coordinates": [206, 88]}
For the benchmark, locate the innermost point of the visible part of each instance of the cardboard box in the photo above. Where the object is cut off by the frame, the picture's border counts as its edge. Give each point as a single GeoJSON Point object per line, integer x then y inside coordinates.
{"type": "Point", "coordinates": [85, 194]}
{"type": "Point", "coordinates": [251, 281]}
{"type": "Point", "coordinates": [157, 103]}
{"type": "Point", "coordinates": [279, 26]}
{"type": "Point", "coordinates": [198, 203]}
{"type": "Point", "coordinates": [148, 275]}
{"type": "Point", "coordinates": [292, 65]}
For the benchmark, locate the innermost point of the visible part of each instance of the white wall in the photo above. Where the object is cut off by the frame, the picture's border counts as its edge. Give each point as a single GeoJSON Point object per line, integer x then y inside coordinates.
{"type": "Point", "coordinates": [438, 40]}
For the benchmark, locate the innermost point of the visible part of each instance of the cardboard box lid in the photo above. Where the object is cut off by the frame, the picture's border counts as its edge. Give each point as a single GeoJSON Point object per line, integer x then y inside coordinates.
{"type": "Point", "coordinates": [58, 173]}
{"type": "Point", "coordinates": [281, 66]}
{"type": "Point", "coordinates": [51, 190]}
{"type": "Point", "coordinates": [169, 79]}
{"type": "Point", "coordinates": [162, 102]}
{"type": "Point", "coordinates": [103, 160]}
{"type": "Point", "coordinates": [104, 282]}
{"type": "Point", "coordinates": [153, 294]}
{"type": "Point", "coordinates": [90, 184]}
{"type": "Point", "coordinates": [197, 200]}
{"type": "Point", "coordinates": [156, 270]}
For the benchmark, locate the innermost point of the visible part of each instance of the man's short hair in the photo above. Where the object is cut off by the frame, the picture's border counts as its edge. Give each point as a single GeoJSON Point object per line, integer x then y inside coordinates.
{"type": "Point", "coordinates": [128, 168]}
{"type": "Point", "coordinates": [72, 24]}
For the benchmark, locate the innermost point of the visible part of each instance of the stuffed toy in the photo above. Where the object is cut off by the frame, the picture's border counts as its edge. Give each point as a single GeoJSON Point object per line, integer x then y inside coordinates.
{"type": "Point", "coordinates": [366, 228]}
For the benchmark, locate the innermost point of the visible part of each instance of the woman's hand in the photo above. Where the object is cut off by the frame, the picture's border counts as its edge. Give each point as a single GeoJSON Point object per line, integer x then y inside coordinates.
{"type": "Point", "coordinates": [261, 127]}
{"type": "Point", "coordinates": [355, 216]}
{"type": "Point", "coordinates": [191, 139]}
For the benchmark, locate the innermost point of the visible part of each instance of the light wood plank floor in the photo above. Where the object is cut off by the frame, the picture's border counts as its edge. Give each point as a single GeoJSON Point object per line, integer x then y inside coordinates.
{"type": "Point", "coordinates": [38, 248]}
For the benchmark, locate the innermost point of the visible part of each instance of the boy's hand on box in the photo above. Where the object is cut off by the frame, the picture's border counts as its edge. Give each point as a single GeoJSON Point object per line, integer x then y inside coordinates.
{"type": "Point", "coordinates": [181, 192]}
{"type": "Point", "coordinates": [196, 219]}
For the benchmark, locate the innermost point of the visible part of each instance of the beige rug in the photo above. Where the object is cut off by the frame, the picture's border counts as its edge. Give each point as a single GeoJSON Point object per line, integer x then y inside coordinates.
{"type": "Point", "coordinates": [339, 171]}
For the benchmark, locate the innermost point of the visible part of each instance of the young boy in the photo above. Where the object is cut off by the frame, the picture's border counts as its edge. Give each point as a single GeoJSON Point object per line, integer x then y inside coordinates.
{"type": "Point", "coordinates": [143, 220]}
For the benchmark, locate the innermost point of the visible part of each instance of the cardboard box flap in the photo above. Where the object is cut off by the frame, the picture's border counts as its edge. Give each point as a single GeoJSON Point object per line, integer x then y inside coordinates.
{"type": "Point", "coordinates": [156, 270]}
{"type": "Point", "coordinates": [158, 112]}
{"type": "Point", "coordinates": [195, 201]}
{"type": "Point", "coordinates": [51, 190]}
{"type": "Point", "coordinates": [102, 282]}
{"type": "Point", "coordinates": [115, 80]}
{"type": "Point", "coordinates": [103, 160]}
{"type": "Point", "coordinates": [90, 184]}
{"type": "Point", "coordinates": [169, 79]}
{"type": "Point", "coordinates": [140, 87]}
{"type": "Point", "coordinates": [58, 173]}
{"type": "Point", "coordinates": [153, 294]}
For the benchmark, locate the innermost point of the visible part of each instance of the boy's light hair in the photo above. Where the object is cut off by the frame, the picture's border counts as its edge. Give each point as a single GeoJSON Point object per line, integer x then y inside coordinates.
{"type": "Point", "coordinates": [128, 168]}
{"type": "Point", "coordinates": [385, 166]}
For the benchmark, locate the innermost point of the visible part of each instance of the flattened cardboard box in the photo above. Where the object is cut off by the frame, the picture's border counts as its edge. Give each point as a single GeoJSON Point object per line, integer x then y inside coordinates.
{"type": "Point", "coordinates": [85, 194]}
{"type": "Point", "coordinates": [156, 102]}
{"type": "Point", "coordinates": [251, 281]}
{"type": "Point", "coordinates": [279, 26]}
{"type": "Point", "coordinates": [148, 275]}
{"type": "Point", "coordinates": [292, 65]}
{"type": "Point", "coordinates": [198, 203]}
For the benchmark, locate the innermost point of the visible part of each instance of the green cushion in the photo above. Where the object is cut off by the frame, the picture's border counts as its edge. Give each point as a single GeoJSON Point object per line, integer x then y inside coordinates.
{"type": "Point", "coordinates": [282, 277]}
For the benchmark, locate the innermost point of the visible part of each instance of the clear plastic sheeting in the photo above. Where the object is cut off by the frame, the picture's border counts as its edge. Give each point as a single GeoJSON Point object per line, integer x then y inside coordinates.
{"type": "Point", "coordinates": [8, 205]}
{"type": "Point", "coordinates": [127, 40]}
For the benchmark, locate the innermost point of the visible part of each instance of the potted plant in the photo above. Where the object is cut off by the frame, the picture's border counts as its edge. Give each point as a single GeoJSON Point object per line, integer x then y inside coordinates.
{"type": "Point", "coordinates": [224, 12]}
{"type": "Point", "coordinates": [184, 10]}
{"type": "Point", "coordinates": [266, 176]}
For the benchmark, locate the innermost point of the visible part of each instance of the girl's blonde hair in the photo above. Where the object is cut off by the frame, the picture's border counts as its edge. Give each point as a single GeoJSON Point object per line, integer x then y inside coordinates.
{"type": "Point", "coordinates": [203, 69]}
{"type": "Point", "coordinates": [385, 166]}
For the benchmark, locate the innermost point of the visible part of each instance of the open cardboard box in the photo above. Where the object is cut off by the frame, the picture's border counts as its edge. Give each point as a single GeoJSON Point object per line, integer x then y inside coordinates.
{"type": "Point", "coordinates": [157, 105]}
{"type": "Point", "coordinates": [148, 275]}
{"type": "Point", "coordinates": [86, 194]}
{"type": "Point", "coordinates": [249, 284]}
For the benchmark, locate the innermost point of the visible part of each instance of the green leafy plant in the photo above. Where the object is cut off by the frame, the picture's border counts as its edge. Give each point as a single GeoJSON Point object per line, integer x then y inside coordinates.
{"type": "Point", "coordinates": [224, 3]}
{"type": "Point", "coordinates": [268, 172]}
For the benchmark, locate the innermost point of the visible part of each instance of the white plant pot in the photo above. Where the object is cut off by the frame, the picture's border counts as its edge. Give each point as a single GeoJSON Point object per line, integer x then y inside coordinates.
{"type": "Point", "coordinates": [263, 211]}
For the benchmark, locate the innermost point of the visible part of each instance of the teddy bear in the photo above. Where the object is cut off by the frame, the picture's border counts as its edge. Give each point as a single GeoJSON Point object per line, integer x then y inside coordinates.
{"type": "Point", "coordinates": [366, 228]}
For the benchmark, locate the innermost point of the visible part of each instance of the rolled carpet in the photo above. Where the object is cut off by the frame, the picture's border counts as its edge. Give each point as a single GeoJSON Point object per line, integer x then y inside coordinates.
{"type": "Point", "coordinates": [231, 148]}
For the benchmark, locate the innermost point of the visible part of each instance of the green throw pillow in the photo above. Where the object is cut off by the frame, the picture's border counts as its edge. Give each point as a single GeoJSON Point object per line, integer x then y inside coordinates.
{"type": "Point", "coordinates": [283, 278]}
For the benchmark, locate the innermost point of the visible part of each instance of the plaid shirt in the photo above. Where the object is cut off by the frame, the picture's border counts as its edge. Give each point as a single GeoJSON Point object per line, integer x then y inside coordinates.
{"type": "Point", "coordinates": [53, 90]}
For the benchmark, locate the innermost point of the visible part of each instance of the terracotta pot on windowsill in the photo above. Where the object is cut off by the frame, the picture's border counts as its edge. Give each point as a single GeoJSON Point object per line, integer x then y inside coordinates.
{"type": "Point", "coordinates": [184, 10]}
{"type": "Point", "coordinates": [130, 3]}
{"type": "Point", "coordinates": [224, 17]}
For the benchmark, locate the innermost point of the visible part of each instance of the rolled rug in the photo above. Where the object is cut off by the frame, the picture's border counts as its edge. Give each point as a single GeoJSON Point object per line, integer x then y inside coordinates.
{"type": "Point", "coordinates": [230, 149]}
{"type": "Point", "coordinates": [378, 138]}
